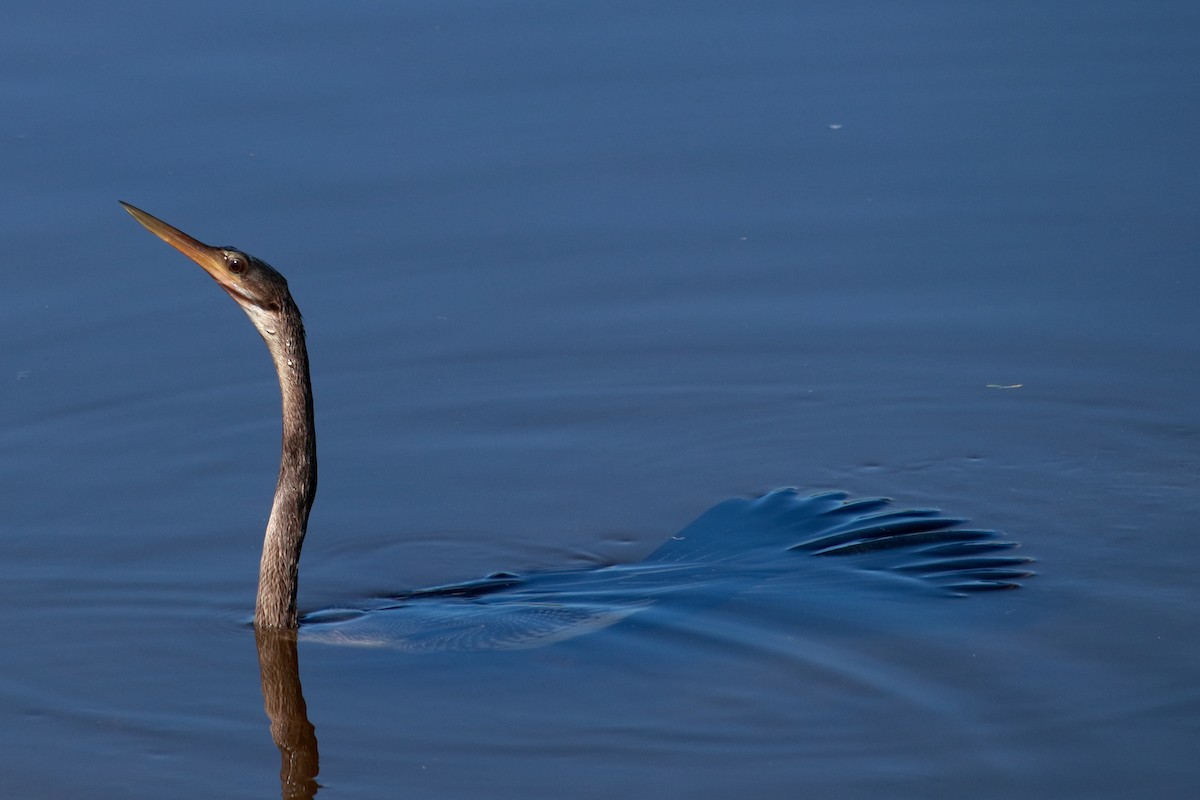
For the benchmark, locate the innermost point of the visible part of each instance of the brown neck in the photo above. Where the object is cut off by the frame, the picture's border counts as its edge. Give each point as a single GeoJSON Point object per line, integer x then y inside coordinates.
{"type": "Point", "coordinates": [279, 570]}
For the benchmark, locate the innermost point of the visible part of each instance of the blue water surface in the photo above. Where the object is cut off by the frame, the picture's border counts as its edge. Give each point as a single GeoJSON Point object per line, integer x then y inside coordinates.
{"type": "Point", "coordinates": [572, 274]}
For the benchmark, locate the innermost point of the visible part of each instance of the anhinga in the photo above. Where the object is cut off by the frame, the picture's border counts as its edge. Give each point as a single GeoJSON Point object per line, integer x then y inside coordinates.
{"type": "Point", "coordinates": [747, 537]}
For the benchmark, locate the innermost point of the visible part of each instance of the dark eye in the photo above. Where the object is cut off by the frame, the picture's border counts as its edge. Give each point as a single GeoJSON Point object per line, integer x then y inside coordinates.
{"type": "Point", "coordinates": [236, 263]}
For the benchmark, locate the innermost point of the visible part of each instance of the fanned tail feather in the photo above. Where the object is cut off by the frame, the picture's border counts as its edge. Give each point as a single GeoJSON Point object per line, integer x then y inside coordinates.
{"type": "Point", "coordinates": [921, 543]}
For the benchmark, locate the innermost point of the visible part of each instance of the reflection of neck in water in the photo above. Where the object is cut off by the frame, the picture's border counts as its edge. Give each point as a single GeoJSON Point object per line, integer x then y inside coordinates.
{"type": "Point", "coordinates": [283, 701]}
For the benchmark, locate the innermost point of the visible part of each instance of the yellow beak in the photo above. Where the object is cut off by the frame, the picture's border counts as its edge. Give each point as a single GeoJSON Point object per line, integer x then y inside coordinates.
{"type": "Point", "coordinates": [212, 259]}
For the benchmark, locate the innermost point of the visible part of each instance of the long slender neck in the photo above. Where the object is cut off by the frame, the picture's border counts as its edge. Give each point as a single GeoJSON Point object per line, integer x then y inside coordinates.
{"type": "Point", "coordinates": [279, 570]}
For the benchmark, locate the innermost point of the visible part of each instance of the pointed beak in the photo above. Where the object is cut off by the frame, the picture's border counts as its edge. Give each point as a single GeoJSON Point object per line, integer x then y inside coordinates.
{"type": "Point", "coordinates": [212, 259]}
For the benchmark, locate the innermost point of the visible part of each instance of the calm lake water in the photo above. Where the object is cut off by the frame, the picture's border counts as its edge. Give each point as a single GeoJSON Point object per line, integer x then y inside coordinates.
{"type": "Point", "coordinates": [572, 274]}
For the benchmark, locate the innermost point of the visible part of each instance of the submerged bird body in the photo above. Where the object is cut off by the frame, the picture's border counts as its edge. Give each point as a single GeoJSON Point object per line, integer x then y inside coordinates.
{"type": "Point", "coordinates": [736, 543]}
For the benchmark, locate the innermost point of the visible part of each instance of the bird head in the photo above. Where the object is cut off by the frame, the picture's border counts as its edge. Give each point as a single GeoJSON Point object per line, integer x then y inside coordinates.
{"type": "Point", "coordinates": [253, 283]}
